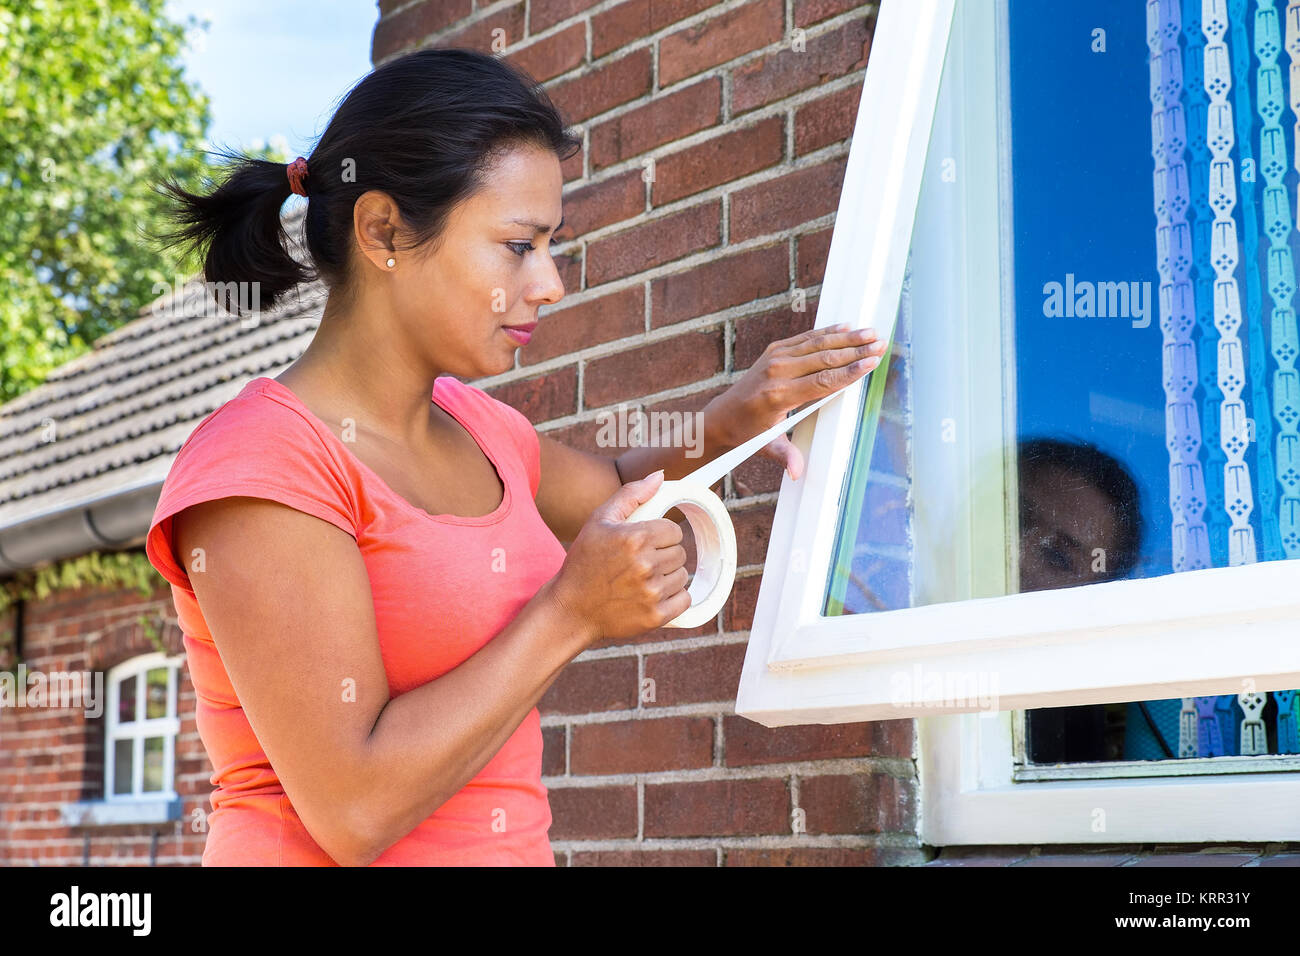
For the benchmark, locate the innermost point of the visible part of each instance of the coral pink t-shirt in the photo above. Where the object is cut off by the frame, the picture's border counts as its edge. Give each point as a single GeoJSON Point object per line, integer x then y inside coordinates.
{"type": "Point", "coordinates": [443, 586]}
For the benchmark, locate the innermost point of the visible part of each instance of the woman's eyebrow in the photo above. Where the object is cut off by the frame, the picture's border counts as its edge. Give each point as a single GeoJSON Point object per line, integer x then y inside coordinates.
{"type": "Point", "coordinates": [536, 226]}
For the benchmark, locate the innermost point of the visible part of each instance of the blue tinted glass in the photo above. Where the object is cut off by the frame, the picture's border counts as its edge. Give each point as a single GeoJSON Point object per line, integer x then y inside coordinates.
{"type": "Point", "coordinates": [1151, 257]}
{"type": "Point", "coordinates": [1154, 339]}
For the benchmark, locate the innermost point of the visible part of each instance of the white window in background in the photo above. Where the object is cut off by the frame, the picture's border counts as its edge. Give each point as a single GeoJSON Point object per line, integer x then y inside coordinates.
{"type": "Point", "coordinates": [997, 180]}
{"type": "Point", "coordinates": [141, 726]}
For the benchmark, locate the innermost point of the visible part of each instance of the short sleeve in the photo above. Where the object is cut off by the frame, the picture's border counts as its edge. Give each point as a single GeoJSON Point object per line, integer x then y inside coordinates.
{"type": "Point", "coordinates": [253, 446]}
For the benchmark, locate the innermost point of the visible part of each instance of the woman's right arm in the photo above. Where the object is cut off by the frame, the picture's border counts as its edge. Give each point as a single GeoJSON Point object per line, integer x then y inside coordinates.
{"type": "Point", "coordinates": [287, 600]}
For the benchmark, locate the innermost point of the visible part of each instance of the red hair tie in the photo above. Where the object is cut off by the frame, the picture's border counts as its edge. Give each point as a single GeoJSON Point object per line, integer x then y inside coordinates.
{"type": "Point", "coordinates": [297, 171]}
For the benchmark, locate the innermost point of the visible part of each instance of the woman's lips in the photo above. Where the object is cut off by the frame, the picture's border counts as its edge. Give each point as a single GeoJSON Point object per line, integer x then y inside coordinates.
{"type": "Point", "coordinates": [521, 334]}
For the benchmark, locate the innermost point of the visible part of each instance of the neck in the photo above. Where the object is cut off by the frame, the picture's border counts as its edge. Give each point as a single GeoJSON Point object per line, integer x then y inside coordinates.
{"type": "Point", "coordinates": [353, 370]}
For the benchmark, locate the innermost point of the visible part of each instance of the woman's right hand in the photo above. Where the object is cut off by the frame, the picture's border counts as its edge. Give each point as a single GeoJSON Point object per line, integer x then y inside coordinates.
{"type": "Point", "coordinates": [624, 578]}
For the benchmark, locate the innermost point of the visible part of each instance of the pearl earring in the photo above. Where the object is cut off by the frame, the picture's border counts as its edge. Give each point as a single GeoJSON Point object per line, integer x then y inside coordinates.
{"type": "Point", "coordinates": [391, 262]}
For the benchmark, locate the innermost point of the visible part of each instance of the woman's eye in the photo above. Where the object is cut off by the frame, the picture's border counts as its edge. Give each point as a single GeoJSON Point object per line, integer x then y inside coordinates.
{"type": "Point", "coordinates": [1058, 558]}
{"type": "Point", "coordinates": [522, 248]}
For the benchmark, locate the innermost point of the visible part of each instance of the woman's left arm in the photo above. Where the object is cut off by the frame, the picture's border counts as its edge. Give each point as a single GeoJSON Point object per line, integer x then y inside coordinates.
{"type": "Point", "coordinates": [790, 373]}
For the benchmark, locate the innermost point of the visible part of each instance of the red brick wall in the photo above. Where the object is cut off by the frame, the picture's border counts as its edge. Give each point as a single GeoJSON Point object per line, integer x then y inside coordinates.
{"type": "Point", "coordinates": [677, 277]}
{"type": "Point", "coordinates": [49, 757]}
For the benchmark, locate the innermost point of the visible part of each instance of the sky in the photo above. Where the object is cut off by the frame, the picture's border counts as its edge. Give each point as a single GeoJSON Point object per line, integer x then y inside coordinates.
{"type": "Point", "coordinates": [275, 69]}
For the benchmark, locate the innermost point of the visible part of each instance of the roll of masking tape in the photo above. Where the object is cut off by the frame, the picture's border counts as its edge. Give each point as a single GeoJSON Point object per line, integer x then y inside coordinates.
{"type": "Point", "coordinates": [715, 536]}
{"type": "Point", "coordinates": [715, 545]}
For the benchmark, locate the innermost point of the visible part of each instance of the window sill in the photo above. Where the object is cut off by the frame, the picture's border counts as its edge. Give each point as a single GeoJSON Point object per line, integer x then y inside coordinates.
{"type": "Point", "coordinates": [92, 813]}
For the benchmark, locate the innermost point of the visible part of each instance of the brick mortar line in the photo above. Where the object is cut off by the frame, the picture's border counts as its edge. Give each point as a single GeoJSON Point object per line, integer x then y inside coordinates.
{"type": "Point", "coordinates": [640, 810]}
{"type": "Point", "coordinates": [833, 767]}
{"type": "Point", "coordinates": [705, 709]}
{"type": "Point", "coordinates": [532, 40]}
{"type": "Point", "coordinates": [652, 41]}
{"type": "Point", "coordinates": [714, 708]}
{"type": "Point", "coordinates": [478, 13]}
{"type": "Point", "coordinates": [59, 748]}
{"type": "Point", "coordinates": [817, 157]}
{"type": "Point", "coordinates": [684, 643]}
{"type": "Point", "coordinates": [580, 387]}
{"type": "Point", "coordinates": [727, 91]}
{"type": "Point", "coordinates": [86, 728]}
{"type": "Point", "coordinates": [124, 611]}
{"type": "Point", "coordinates": [755, 114]}
{"type": "Point", "coordinates": [888, 841]}
{"type": "Point", "coordinates": [588, 37]}
{"type": "Point", "coordinates": [393, 13]}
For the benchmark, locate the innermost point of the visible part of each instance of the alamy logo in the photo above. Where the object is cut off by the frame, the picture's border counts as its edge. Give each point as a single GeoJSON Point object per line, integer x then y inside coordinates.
{"type": "Point", "coordinates": [194, 299]}
{"type": "Point", "coordinates": [57, 689]}
{"type": "Point", "coordinates": [1102, 300]}
{"type": "Point", "coordinates": [621, 429]}
{"type": "Point", "coordinates": [102, 909]}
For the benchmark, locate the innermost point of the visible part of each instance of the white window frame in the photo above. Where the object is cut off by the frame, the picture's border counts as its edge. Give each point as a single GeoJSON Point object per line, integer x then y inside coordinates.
{"type": "Point", "coordinates": [1118, 641]}
{"type": "Point", "coordinates": [140, 729]}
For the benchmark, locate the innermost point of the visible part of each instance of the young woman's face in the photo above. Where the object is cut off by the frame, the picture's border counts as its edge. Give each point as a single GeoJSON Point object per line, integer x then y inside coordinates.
{"type": "Point", "coordinates": [1069, 530]}
{"type": "Point", "coordinates": [492, 269]}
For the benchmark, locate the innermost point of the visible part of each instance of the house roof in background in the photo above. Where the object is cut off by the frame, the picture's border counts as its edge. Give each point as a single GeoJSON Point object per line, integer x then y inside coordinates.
{"type": "Point", "coordinates": [111, 421]}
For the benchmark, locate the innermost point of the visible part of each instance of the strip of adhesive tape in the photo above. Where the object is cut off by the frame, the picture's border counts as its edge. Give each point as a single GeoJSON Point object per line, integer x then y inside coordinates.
{"type": "Point", "coordinates": [715, 536]}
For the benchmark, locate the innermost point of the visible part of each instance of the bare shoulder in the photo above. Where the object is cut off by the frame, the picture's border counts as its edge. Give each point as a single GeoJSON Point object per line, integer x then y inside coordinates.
{"type": "Point", "coordinates": [286, 598]}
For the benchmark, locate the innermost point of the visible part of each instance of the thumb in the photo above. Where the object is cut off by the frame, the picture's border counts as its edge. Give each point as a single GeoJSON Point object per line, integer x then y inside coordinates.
{"type": "Point", "coordinates": [787, 453]}
{"type": "Point", "coordinates": [632, 495]}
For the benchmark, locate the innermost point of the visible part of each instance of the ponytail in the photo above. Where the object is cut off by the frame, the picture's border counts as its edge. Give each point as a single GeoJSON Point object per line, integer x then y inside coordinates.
{"type": "Point", "coordinates": [423, 129]}
{"type": "Point", "coordinates": [237, 228]}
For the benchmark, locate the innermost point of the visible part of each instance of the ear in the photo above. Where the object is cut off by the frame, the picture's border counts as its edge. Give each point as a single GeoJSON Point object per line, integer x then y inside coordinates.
{"type": "Point", "coordinates": [375, 223]}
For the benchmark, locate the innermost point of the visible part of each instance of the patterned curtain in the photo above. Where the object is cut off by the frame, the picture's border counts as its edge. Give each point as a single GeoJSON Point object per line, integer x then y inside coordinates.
{"type": "Point", "coordinates": [1218, 99]}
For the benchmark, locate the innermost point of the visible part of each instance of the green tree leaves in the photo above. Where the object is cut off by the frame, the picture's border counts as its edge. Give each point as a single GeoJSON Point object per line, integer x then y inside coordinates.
{"type": "Point", "coordinates": [94, 111]}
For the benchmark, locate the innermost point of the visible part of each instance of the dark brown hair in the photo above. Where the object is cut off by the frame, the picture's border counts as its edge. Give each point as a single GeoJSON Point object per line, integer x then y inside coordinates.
{"type": "Point", "coordinates": [423, 128]}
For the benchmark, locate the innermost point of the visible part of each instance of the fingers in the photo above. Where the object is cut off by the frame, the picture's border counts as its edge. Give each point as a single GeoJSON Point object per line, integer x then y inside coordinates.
{"type": "Point", "coordinates": [673, 581]}
{"type": "Point", "coordinates": [829, 337]}
{"type": "Point", "coordinates": [661, 533]}
{"type": "Point", "coordinates": [677, 602]}
{"type": "Point", "coordinates": [670, 560]}
{"type": "Point", "coordinates": [816, 373]}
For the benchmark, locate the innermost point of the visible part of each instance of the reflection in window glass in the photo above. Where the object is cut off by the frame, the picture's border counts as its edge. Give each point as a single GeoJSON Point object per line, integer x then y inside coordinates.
{"type": "Point", "coordinates": [126, 699]}
{"type": "Point", "coordinates": [1154, 338]}
{"type": "Point", "coordinates": [153, 764]}
{"type": "Point", "coordinates": [156, 695]}
{"type": "Point", "coordinates": [1155, 335]}
{"type": "Point", "coordinates": [122, 765]}
{"type": "Point", "coordinates": [873, 571]}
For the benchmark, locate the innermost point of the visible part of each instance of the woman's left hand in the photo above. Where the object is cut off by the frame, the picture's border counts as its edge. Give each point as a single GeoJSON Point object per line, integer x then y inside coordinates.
{"type": "Point", "coordinates": [789, 374]}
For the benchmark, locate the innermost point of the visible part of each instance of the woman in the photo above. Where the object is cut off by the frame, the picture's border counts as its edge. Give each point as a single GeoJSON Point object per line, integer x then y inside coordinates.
{"type": "Point", "coordinates": [371, 584]}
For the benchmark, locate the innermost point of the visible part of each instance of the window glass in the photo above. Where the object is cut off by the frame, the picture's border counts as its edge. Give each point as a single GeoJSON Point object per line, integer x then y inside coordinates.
{"type": "Point", "coordinates": [156, 693]}
{"type": "Point", "coordinates": [126, 696]}
{"type": "Point", "coordinates": [1152, 340]}
{"type": "Point", "coordinates": [153, 764]}
{"type": "Point", "coordinates": [122, 765]}
{"type": "Point", "coordinates": [142, 696]}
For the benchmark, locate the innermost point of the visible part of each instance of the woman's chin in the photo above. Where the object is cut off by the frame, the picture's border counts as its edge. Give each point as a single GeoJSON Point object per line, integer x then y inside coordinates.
{"type": "Point", "coordinates": [506, 363]}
